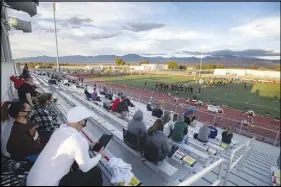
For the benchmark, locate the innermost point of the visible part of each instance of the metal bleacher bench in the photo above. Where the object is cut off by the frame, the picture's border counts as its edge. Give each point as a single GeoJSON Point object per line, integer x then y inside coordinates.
{"type": "Point", "coordinates": [164, 167]}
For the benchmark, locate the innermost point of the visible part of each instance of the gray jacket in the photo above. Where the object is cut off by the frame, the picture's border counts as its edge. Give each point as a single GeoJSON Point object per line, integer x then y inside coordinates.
{"type": "Point", "coordinates": [157, 141]}
{"type": "Point", "coordinates": [136, 125]}
{"type": "Point", "coordinates": [203, 134]}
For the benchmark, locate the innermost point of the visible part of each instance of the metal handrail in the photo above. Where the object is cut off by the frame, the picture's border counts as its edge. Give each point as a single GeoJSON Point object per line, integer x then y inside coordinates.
{"type": "Point", "coordinates": [246, 148]}
{"type": "Point", "coordinates": [199, 175]}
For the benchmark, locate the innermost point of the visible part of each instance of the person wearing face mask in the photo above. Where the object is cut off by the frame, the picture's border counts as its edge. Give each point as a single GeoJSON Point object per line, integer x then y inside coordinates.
{"type": "Point", "coordinates": [44, 117]}
{"type": "Point", "coordinates": [66, 145]}
{"type": "Point", "coordinates": [27, 92]}
{"type": "Point", "coordinates": [23, 142]}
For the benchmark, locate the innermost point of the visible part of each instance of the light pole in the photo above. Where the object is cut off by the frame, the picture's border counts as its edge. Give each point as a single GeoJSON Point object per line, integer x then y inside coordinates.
{"type": "Point", "coordinates": [58, 66]}
{"type": "Point", "coordinates": [200, 66]}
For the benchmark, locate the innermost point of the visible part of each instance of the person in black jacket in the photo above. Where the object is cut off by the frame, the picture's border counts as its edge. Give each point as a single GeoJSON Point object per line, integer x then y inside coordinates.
{"type": "Point", "coordinates": [157, 112]}
{"type": "Point", "coordinates": [227, 136]}
{"type": "Point", "coordinates": [122, 107]}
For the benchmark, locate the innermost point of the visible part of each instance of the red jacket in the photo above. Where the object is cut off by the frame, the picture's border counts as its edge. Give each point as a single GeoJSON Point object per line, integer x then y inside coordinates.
{"type": "Point", "coordinates": [115, 104]}
{"type": "Point", "coordinates": [17, 82]}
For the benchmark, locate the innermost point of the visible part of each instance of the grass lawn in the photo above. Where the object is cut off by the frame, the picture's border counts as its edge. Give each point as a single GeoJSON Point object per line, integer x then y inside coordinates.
{"type": "Point", "coordinates": [263, 98]}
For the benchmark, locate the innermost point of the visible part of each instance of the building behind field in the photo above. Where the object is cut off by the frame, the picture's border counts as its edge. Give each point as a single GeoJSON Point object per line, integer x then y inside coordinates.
{"type": "Point", "coordinates": [248, 73]}
{"type": "Point", "coordinates": [150, 67]}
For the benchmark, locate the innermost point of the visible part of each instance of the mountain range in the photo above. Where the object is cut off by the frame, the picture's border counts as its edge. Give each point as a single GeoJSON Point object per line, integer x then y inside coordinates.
{"type": "Point", "coordinates": [228, 60]}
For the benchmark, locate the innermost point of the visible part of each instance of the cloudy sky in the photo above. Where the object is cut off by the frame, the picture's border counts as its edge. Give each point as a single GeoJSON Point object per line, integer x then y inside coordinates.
{"type": "Point", "coordinates": [164, 29]}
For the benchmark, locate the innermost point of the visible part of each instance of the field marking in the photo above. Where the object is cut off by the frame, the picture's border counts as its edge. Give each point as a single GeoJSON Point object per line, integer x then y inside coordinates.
{"type": "Point", "coordinates": [244, 103]}
{"type": "Point", "coordinates": [247, 102]}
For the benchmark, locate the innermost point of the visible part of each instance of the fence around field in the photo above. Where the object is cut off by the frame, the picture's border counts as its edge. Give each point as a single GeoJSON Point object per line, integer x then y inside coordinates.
{"type": "Point", "coordinates": [261, 133]}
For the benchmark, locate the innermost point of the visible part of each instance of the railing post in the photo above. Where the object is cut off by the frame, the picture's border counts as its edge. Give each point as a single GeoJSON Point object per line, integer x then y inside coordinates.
{"type": "Point", "coordinates": [214, 121]}
{"type": "Point", "coordinates": [240, 127]}
{"type": "Point", "coordinates": [276, 138]}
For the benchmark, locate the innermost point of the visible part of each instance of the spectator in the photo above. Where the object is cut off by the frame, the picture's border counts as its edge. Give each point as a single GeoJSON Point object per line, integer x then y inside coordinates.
{"type": "Point", "coordinates": [179, 133]}
{"type": "Point", "coordinates": [213, 131]}
{"type": "Point", "coordinates": [137, 127]}
{"type": "Point", "coordinates": [26, 92]}
{"type": "Point", "coordinates": [25, 71]}
{"type": "Point", "coordinates": [115, 104]}
{"type": "Point", "coordinates": [157, 112]}
{"type": "Point", "coordinates": [65, 146]}
{"type": "Point", "coordinates": [227, 136]}
{"type": "Point", "coordinates": [122, 108]}
{"type": "Point", "coordinates": [149, 107]}
{"type": "Point", "coordinates": [203, 134]}
{"type": "Point", "coordinates": [95, 96]}
{"type": "Point", "coordinates": [17, 80]}
{"type": "Point", "coordinates": [156, 147]}
{"type": "Point", "coordinates": [128, 101]}
{"type": "Point", "coordinates": [87, 93]}
{"type": "Point", "coordinates": [192, 121]}
{"type": "Point", "coordinates": [168, 123]}
{"type": "Point", "coordinates": [44, 118]}
{"type": "Point", "coordinates": [106, 102]}
{"type": "Point", "coordinates": [23, 142]}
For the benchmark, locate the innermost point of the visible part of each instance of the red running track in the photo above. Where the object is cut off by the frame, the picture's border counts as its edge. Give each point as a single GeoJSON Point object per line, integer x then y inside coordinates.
{"type": "Point", "coordinates": [266, 128]}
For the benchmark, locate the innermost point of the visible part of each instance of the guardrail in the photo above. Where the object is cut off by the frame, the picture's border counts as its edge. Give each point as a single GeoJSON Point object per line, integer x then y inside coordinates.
{"type": "Point", "coordinates": [259, 131]}
{"type": "Point", "coordinates": [191, 180]}
{"type": "Point", "coordinates": [246, 148]}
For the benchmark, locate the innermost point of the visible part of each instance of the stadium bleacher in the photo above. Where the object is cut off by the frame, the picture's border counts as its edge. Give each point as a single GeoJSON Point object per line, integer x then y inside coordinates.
{"type": "Point", "coordinates": [256, 168]}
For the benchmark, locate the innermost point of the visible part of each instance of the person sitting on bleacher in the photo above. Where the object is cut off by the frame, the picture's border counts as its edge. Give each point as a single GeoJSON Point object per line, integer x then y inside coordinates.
{"type": "Point", "coordinates": [26, 92]}
{"type": "Point", "coordinates": [137, 127]}
{"type": "Point", "coordinates": [157, 112]}
{"type": "Point", "coordinates": [128, 101]}
{"type": "Point", "coordinates": [44, 117]}
{"type": "Point", "coordinates": [156, 147]}
{"type": "Point", "coordinates": [168, 123]}
{"type": "Point", "coordinates": [122, 108]}
{"type": "Point", "coordinates": [17, 80]}
{"type": "Point", "coordinates": [227, 135]}
{"type": "Point", "coordinates": [23, 142]}
{"type": "Point", "coordinates": [179, 133]}
{"type": "Point", "coordinates": [213, 131]}
{"type": "Point", "coordinates": [203, 134]}
{"type": "Point", "coordinates": [66, 145]}
{"type": "Point", "coordinates": [115, 104]}
{"type": "Point", "coordinates": [95, 96]}
{"type": "Point", "coordinates": [106, 102]}
{"type": "Point", "coordinates": [87, 93]}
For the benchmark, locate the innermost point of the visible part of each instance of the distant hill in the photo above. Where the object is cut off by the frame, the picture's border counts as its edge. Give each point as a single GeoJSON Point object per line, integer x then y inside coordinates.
{"type": "Point", "coordinates": [227, 60]}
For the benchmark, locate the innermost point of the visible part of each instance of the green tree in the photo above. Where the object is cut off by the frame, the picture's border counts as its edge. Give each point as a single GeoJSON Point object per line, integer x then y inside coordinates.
{"type": "Point", "coordinates": [172, 65]}
{"type": "Point", "coordinates": [277, 69]}
{"type": "Point", "coordinates": [220, 66]}
{"type": "Point", "coordinates": [182, 67]}
{"type": "Point", "coordinates": [144, 62]}
{"type": "Point", "coordinates": [119, 62]}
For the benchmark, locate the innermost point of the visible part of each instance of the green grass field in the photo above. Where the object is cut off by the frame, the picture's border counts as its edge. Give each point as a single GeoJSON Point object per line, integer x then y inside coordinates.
{"type": "Point", "coordinates": [263, 98]}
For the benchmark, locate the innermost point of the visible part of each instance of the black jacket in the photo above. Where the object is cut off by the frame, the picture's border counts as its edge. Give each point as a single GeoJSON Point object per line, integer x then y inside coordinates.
{"type": "Point", "coordinates": [157, 113]}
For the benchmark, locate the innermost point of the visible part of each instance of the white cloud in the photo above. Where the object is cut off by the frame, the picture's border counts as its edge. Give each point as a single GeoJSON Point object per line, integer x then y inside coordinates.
{"type": "Point", "coordinates": [101, 32]}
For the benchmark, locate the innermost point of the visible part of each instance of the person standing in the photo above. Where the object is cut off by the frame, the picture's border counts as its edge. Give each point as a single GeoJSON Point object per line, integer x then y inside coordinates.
{"type": "Point", "coordinates": [26, 92]}
{"type": "Point", "coordinates": [66, 145]}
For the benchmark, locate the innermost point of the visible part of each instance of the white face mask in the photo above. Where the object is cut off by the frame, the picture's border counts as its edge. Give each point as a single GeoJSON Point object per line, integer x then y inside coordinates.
{"type": "Point", "coordinates": [36, 136]}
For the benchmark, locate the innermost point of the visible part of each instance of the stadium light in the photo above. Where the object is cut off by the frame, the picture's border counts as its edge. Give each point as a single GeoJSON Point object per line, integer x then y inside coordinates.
{"type": "Point", "coordinates": [18, 24]}
{"type": "Point", "coordinates": [54, 11]}
{"type": "Point", "coordinates": [29, 7]}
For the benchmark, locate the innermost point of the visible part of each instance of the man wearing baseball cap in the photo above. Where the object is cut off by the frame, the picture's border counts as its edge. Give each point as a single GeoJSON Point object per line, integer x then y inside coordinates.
{"type": "Point", "coordinates": [66, 145]}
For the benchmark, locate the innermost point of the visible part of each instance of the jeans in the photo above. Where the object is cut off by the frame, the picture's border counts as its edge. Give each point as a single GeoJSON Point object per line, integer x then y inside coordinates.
{"type": "Point", "coordinates": [32, 158]}
{"type": "Point", "coordinates": [185, 139]}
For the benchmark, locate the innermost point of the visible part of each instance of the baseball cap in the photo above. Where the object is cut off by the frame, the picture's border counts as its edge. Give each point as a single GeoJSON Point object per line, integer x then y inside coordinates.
{"type": "Point", "coordinates": [77, 114]}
